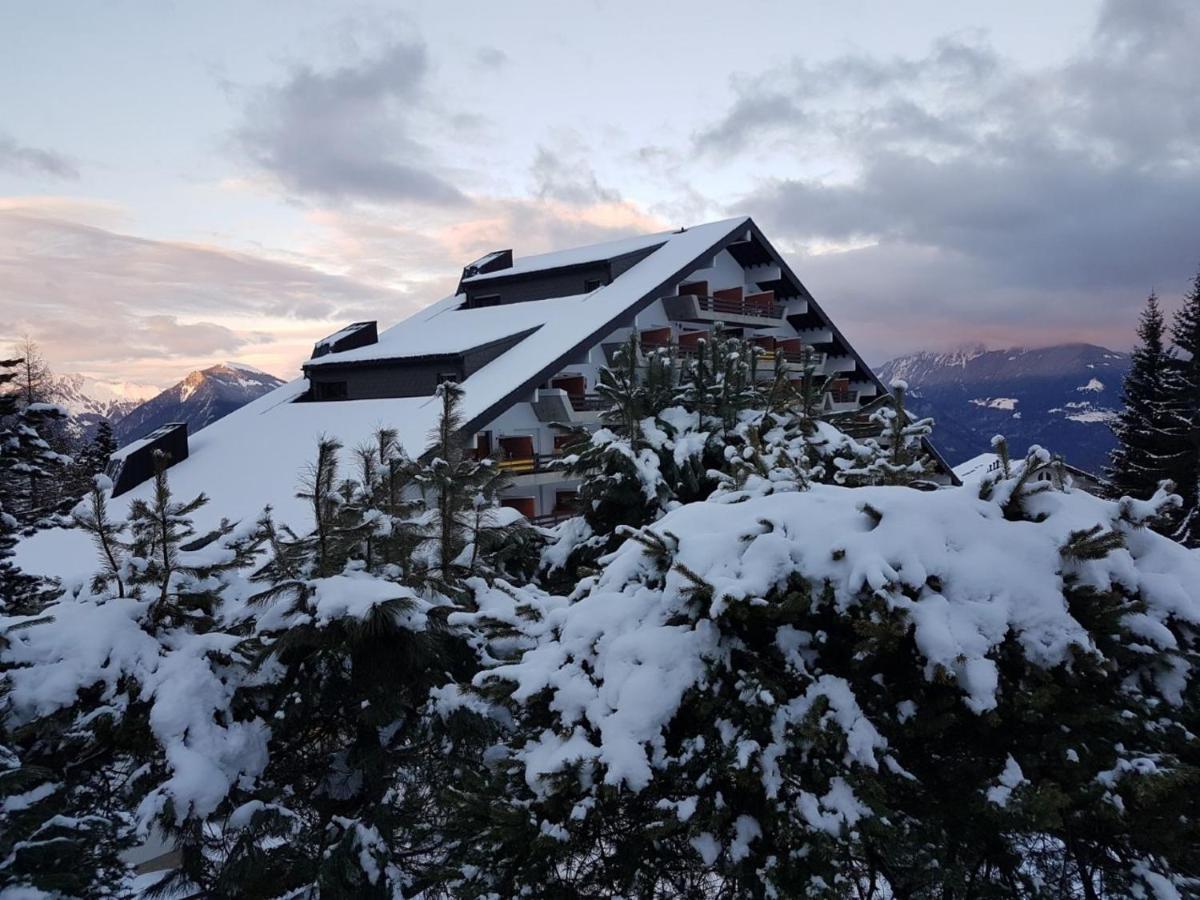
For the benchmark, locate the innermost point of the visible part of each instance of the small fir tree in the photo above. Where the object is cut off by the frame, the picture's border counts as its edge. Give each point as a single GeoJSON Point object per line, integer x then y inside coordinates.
{"type": "Point", "coordinates": [1147, 428]}
{"type": "Point", "coordinates": [1185, 402]}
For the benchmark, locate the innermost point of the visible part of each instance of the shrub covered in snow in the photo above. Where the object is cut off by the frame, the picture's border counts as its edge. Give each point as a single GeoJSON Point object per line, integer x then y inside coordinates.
{"type": "Point", "coordinates": [858, 692]}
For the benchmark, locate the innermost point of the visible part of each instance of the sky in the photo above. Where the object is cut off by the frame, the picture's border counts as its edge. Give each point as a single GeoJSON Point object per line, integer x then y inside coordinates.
{"type": "Point", "coordinates": [186, 183]}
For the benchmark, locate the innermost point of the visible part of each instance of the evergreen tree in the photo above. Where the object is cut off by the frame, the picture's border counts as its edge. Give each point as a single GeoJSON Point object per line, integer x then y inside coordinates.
{"type": "Point", "coordinates": [896, 455]}
{"type": "Point", "coordinates": [353, 636]}
{"type": "Point", "coordinates": [32, 469]}
{"type": "Point", "coordinates": [623, 482]}
{"type": "Point", "coordinates": [1147, 450]}
{"type": "Point", "coordinates": [94, 763]}
{"type": "Point", "coordinates": [1185, 402]}
{"type": "Point", "coordinates": [91, 460]}
{"type": "Point", "coordinates": [828, 728]}
{"type": "Point", "coordinates": [464, 529]}
{"type": "Point", "coordinates": [21, 454]}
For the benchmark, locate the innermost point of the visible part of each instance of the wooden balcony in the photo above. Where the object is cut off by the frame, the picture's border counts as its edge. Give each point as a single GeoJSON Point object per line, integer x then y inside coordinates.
{"type": "Point", "coordinates": [529, 465]}
{"type": "Point", "coordinates": [730, 305]}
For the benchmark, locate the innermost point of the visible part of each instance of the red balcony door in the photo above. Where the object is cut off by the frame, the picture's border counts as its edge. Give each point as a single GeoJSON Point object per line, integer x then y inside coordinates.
{"type": "Point", "coordinates": [524, 505]}
{"type": "Point", "coordinates": [574, 385]}
{"type": "Point", "coordinates": [517, 447]}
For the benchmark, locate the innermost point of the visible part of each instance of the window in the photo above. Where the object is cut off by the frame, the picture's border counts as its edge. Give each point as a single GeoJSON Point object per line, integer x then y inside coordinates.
{"type": "Point", "coordinates": [483, 300]}
{"type": "Point", "coordinates": [330, 390]}
{"type": "Point", "coordinates": [592, 284]}
{"type": "Point", "coordinates": [443, 377]}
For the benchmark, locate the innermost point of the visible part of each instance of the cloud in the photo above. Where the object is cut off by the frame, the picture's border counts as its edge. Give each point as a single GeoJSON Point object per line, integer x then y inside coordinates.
{"type": "Point", "coordinates": [128, 308]}
{"type": "Point", "coordinates": [979, 195]}
{"type": "Point", "coordinates": [349, 132]}
{"type": "Point", "coordinates": [566, 176]}
{"type": "Point", "coordinates": [491, 58]}
{"type": "Point", "coordinates": [24, 160]}
{"type": "Point", "coordinates": [423, 263]}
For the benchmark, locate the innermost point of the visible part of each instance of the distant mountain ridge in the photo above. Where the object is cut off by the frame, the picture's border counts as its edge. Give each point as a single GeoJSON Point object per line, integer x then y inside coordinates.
{"type": "Point", "coordinates": [1061, 397]}
{"type": "Point", "coordinates": [200, 399]}
{"type": "Point", "coordinates": [89, 400]}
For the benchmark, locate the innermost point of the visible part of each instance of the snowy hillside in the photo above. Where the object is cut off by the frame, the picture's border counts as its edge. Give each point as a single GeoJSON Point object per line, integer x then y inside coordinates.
{"type": "Point", "coordinates": [200, 399]}
{"type": "Point", "coordinates": [1062, 397]}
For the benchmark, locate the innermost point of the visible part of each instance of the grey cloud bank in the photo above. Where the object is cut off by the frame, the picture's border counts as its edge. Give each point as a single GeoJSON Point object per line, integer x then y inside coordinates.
{"type": "Point", "coordinates": [989, 194]}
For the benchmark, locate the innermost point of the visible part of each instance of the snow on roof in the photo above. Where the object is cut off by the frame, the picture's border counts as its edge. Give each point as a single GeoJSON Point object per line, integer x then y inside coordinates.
{"type": "Point", "coordinates": [256, 455]}
{"type": "Point", "coordinates": [975, 469]}
{"type": "Point", "coordinates": [577, 255]}
{"type": "Point", "coordinates": [447, 328]}
{"type": "Point", "coordinates": [123, 452]}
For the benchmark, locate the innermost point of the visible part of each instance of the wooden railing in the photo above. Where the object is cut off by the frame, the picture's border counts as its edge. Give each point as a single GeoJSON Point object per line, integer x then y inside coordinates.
{"type": "Point", "coordinates": [529, 465]}
{"type": "Point", "coordinates": [794, 357]}
{"type": "Point", "coordinates": [739, 307]}
{"type": "Point", "coordinates": [549, 520]}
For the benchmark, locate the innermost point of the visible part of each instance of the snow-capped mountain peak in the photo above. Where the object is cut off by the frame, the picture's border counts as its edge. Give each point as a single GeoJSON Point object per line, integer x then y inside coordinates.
{"type": "Point", "coordinates": [201, 398]}
{"type": "Point", "coordinates": [81, 395]}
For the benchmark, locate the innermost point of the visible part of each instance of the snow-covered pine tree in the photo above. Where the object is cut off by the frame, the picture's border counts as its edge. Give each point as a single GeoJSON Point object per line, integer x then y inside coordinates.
{"type": "Point", "coordinates": [160, 531]}
{"type": "Point", "coordinates": [896, 455]}
{"type": "Point", "coordinates": [108, 535]}
{"type": "Point", "coordinates": [464, 527]}
{"type": "Point", "coordinates": [90, 459]}
{"type": "Point", "coordinates": [720, 379]}
{"type": "Point", "coordinates": [19, 592]}
{"type": "Point", "coordinates": [851, 692]}
{"type": "Point", "coordinates": [1147, 429]}
{"type": "Point", "coordinates": [1185, 404]}
{"type": "Point", "coordinates": [32, 469]}
{"type": "Point", "coordinates": [350, 638]}
{"type": "Point", "coordinates": [130, 725]}
{"type": "Point", "coordinates": [622, 477]}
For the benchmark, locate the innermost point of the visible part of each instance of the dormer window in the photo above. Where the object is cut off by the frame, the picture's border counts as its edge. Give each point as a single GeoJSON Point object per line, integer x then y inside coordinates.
{"type": "Point", "coordinates": [330, 390]}
{"type": "Point", "coordinates": [483, 300]}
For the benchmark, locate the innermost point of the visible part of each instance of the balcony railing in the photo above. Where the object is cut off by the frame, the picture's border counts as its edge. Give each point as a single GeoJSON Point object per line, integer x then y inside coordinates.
{"type": "Point", "coordinates": [794, 357]}
{"type": "Point", "coordinates": [745, 307]}
{"type": "Point", "coordinates": [549, 520]}
{"type": "Point", "coordinates": [530, 465]}
{"type": "Point", "coordinates": [587, 402]}
{"type": "Point", "coordinates": [809, 358]}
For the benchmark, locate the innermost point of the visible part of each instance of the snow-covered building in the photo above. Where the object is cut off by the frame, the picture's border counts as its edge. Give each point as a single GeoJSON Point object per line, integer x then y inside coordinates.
{"type": "Point", "coordinates": [526, 337]}
{"type": "Point", "coordinates": [977, 468]}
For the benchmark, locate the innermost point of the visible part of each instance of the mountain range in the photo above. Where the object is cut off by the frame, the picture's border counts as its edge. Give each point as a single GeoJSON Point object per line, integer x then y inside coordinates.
{"type": "Point", "coordinates": [134, 410]}
{"type": "Point", "coordinates": [1062, 397]}
{"type": "Point", "coordinates": [88, 400]}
